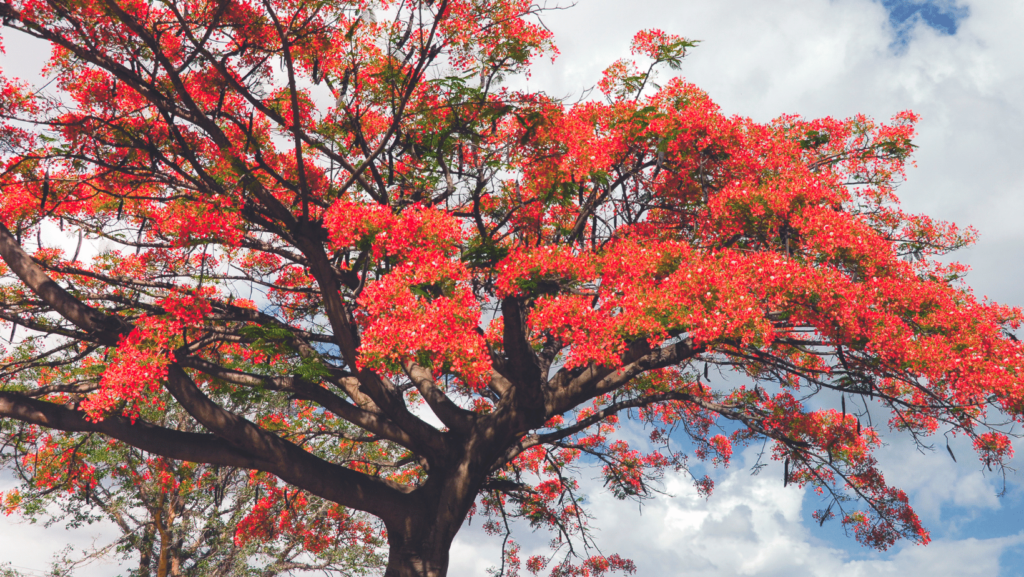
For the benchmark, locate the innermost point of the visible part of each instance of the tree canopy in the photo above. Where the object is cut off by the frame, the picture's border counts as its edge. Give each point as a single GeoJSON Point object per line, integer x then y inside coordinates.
{"type": "Point", "coordinates": [332, 243]}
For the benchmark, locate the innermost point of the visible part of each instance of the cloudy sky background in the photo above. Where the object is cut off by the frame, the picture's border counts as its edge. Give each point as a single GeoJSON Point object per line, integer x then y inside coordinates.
{"type": "Point", "coordinates": [958, 63]}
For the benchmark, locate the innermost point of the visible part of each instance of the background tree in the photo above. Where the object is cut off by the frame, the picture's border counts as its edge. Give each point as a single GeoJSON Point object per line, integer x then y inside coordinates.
{"type": "Point", "coordinates": [181, 519]}
{"type": "Point", "coordinates": [341, 203]}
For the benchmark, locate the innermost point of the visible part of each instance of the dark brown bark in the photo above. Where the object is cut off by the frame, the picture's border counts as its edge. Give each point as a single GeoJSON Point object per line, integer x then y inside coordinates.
{"type": "Point", "coordinates": [420, 546]}
{"type": "Point", "coordinates": [430, 559]}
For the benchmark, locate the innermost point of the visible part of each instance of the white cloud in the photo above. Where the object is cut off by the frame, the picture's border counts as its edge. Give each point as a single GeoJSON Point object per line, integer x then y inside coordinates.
{"type": "Point", "coordinates": [934, 480]}
{"type": "Point", "coordinates": [24, 57]}
{"type": "Point", "coordinates": [31, 548]}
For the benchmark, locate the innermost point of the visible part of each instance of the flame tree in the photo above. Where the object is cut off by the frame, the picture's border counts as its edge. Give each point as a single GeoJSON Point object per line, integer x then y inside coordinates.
{"type": "Point", "coordinates": [344, 204]}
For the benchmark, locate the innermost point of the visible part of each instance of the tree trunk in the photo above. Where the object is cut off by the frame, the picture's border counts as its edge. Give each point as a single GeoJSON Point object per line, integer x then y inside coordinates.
{"type": "Point", "coordinates": [419, 545]}
{"type": "Point", "coordinates": [425, 559]}
{"type": "Point", "coordinates": [165, 541]}
{"type": "Point", "coordinates": [420, 540]}
{"type": "Point", "coordinates": [146, 551]}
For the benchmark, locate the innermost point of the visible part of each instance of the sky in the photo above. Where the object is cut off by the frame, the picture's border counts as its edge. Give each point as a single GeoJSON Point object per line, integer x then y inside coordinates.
{"type": "Point", "coordinates": [957, 63]}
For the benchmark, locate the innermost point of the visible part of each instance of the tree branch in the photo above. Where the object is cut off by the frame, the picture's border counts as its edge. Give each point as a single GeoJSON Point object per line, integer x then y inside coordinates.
{"type": "Point", "coordinates": [194, 447]}
{"type": "Point", "coordinates": [288, 461]}
{"type": "Point", "coordinates": [373, 422]}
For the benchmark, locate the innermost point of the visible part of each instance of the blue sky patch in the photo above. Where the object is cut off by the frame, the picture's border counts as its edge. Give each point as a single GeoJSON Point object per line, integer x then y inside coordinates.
{"type": "Point", "coordinates": [942, 15]}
